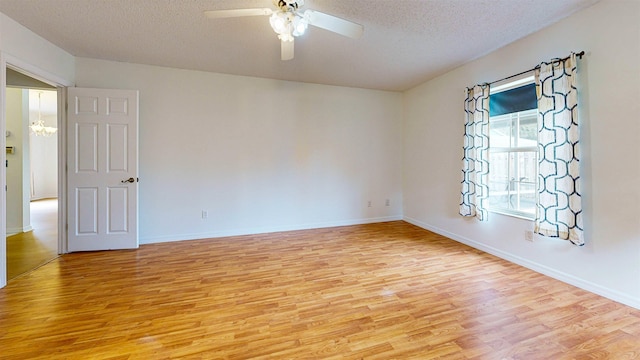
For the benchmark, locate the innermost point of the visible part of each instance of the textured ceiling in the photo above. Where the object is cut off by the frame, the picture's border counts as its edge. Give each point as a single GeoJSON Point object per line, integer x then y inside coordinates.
{"type": "Point", "coordinates": [405, 42]}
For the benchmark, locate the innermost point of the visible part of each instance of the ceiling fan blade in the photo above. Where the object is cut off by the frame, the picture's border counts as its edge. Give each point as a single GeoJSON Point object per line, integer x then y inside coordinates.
{"type": "Point", "coordinates": [335, 24]}
{"type": "Point", "coordinates": [221, 14]}
{"type": "Point", "coordinates": [286, 50]}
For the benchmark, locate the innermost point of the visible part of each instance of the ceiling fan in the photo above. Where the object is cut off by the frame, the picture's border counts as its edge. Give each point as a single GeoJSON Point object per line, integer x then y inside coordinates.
{"type": "Point", "coordinates": [289, 22]}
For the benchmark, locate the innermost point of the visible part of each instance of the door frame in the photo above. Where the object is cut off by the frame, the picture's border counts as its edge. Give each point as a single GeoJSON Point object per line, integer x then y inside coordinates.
{"type": "Point", "coordinates": [14, 63]}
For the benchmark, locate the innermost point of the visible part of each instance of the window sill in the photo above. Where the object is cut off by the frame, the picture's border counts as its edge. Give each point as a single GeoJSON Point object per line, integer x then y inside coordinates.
{"type": "Point", "coordinates": [518, 215]}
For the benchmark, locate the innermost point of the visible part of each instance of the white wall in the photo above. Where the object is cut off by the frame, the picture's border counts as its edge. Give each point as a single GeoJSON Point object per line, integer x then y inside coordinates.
{"type": "Point", "coordinates": [43, 154]}
{"type": "Point", "coordinates": [23, 48]}
{"type": "Point", "coordinates": [609, 263]}
{"type": "Point", "coordinates": [44, 166]}
{"type": "Point", "coordinates": [16, 125]}
{"type": "Point", "coordinates": [259, 155]}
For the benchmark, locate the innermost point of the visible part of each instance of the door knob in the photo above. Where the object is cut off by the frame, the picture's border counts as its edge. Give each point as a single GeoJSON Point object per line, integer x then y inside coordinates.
{"type": "Point", "coordinates": [129, 180]}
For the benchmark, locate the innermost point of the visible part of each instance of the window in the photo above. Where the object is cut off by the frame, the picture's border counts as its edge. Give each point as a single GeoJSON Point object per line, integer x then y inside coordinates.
{"type": "Point", "coordinates": [513, 150]}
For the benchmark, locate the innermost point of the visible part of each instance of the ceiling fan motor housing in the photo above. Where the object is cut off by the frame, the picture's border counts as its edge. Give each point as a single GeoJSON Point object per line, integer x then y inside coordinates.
{"type": "Point", "coordinates": [288, 5]}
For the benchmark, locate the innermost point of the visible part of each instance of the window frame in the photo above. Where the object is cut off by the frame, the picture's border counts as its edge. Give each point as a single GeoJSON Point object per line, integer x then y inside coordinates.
{"type": "Point", "coordinates": [523, 80]}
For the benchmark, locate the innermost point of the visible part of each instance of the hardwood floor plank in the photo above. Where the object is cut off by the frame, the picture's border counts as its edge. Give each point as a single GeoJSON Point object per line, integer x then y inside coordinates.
{"type": "Point", "coordinates": [28, 250]}
{"type": "Point", "coordinates": [378, 291]}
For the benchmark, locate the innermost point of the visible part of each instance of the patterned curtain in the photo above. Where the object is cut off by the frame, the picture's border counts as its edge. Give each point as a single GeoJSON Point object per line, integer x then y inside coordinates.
{"type": "Point", "coordinates": [475, 163]}
{"type": "Point", "coordinates": [559, 205]}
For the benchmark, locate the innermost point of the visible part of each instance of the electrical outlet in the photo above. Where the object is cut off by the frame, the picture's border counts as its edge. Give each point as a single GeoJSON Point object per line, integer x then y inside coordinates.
{"type": "Point", "coordinates": [387, 202]}
{"type": "Point", "coordinates": [205, 214]}
{"type": "Point", "coordinates": [528, 235]}
{"type": "Point", "coordinates": [369, 203]}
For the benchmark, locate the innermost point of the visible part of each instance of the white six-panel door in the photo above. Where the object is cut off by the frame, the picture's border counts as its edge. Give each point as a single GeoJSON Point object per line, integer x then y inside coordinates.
{"type": "Point", "coordinates": [102, 169]}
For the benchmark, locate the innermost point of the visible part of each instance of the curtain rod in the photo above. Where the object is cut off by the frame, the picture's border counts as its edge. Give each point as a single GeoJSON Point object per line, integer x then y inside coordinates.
{"type": "Point", "coordinates": [579, 55]}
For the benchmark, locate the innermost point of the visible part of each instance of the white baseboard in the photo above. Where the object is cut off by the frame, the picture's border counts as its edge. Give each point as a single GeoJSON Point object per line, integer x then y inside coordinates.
{"type": "Point", "coordinates": [543, 269]}
{"type": "Point", "coordinates": [18, 230]}
{"type": "Point", "coordinates": [263, 230]}
{"type": "Point", "coordinates": [44, 197]}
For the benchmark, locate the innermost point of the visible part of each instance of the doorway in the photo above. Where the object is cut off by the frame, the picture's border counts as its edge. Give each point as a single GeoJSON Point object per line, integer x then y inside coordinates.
{"type": "Point", "coordinates": [31, 173]}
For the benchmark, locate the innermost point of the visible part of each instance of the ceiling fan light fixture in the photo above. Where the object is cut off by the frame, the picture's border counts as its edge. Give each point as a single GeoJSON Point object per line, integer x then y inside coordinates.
{"type": "Point", "coordinates": [287, 24]}
{"type": "Point", "coordinates": [285, 37]}
{"type": "Point", "coordinates": [280, 22]}
{"type": "Point", "coordinates": [300, 25]}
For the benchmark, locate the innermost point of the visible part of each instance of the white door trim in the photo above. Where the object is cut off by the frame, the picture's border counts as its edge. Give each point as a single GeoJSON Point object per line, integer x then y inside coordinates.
{"type": "Point", "coordinates": [9, 61]}
{"type": "Point", "coordinates": [62, 171]}
{"type": "Point", "coordinates": [3, 173]}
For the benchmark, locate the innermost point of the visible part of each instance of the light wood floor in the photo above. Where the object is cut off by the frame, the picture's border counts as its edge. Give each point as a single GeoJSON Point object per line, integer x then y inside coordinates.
{"type": "Point", "coordinates": [26, 251]}
{"type": "Point", "coordinates": [379, 291]}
